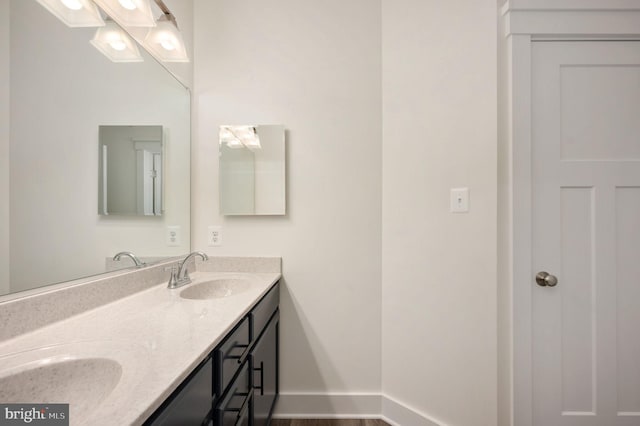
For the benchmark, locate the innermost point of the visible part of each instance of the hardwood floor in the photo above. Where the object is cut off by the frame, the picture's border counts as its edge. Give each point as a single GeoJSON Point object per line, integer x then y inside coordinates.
{"type": "Point", "coordinates": [325, 422]}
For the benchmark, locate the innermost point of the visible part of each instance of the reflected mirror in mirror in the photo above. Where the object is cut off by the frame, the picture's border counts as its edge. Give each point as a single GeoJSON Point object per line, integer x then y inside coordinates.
{"type": "Point", "coordinates": [252, 170]}
{"type": "Point", "coordinates": [130, 170]}
{"type": "Point", "coordinates": [60, 89]}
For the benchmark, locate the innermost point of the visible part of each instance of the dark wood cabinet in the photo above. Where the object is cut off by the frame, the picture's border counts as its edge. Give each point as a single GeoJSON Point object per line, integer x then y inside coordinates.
{"type": "Point", "coordinates": [259, 359]}
{"type": "Point", "coordinates": [264, 362]}
{"type": "Point", "coordinates": [237, 384]}
{"type": "Point", "coordinates": [190, 404]}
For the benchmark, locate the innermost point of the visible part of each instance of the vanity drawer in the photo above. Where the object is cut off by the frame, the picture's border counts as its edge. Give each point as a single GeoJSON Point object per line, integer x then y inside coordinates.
{"type": "Point", "coordinates": [191, 403]}
{"type": "Point", "coordinates": [230, 355]}
{"type": "Point", "coordinates": [235, 408]}
{"type": "Point", "coordinates": [261, 314]}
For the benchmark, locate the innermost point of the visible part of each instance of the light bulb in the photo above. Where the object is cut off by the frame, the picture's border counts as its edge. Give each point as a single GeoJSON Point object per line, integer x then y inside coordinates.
{"type": "Point", "coordinates": [72, 4]}
{"type": "Point", "coordinates": [115, 44]}
{"type": "Point", "coordinates": [118, 45]}
{"type": "Point", "coordinates": [167, 44]}
{"type": "Point", "coordinates": [128, 4]}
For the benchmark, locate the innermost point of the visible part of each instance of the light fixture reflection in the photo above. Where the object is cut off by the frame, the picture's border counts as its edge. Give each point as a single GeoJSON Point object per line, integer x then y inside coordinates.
{"type": "Point", "coordinates": [74, 13]}
{"type": "Point", "coordinates": [129, 13]}
{"type": "Point", "coordinates": [240, 137]}
{"type": "Point", "coordinates": [165, 42]}
{"type": "Point", "coordinates": [72, 4]}
{"type": "Point", "coordinates": [128, 4]}
{"type": "Point", "coordinates": [116, 44]}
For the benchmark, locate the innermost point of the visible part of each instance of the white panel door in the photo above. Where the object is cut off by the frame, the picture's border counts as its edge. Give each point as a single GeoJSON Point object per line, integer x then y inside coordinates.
{"type": "Point", "coordinates": [586, 232]}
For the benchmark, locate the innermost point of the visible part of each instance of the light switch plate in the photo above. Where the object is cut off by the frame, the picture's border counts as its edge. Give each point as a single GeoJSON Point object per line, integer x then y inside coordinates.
{"type": "Point", "coordinates": [459, 200]}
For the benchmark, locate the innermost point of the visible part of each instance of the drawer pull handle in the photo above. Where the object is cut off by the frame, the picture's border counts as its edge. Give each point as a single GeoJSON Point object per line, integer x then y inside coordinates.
{"type": "Point", "coordinates": [243, 409]}
{"type": "Point", "coordinates": [261, 370]}
{"type": "Point", "coordinates": [242, 356]}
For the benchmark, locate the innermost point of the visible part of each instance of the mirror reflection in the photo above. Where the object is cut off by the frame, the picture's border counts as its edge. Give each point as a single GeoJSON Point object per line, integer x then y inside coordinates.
{"type": "Point", "coordinates": [130, 170]}
{"type": "Point", "coordinates": [252, 170]}
{"type": "Point", "coordinates": [61, 89]}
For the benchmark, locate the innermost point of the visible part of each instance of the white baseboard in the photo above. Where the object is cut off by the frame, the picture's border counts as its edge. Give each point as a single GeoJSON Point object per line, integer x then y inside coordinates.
{"type": "Point", "coordinates": [349, 406]}
{"type": "Point", "coordinates": [397, 414]}
{"type": "Point", "coordinates": [328, 406]}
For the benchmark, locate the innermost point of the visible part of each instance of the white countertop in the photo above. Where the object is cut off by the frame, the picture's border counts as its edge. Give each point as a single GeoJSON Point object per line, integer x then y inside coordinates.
{"type": "Point", "coordinates": [155, 336]}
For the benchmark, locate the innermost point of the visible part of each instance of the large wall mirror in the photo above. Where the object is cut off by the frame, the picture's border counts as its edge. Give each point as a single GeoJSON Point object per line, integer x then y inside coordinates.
{"type": "Point", "coordinates": [61, 91]}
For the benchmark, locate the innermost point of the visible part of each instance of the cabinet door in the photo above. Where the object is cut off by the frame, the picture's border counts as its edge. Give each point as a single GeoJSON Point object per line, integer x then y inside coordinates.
{"type": "Point", "coordinates": [264, 362]}
{"type": "Point", "coordinates": [189, 405]}
{"type": "Point", "coordinates": [263, 311]}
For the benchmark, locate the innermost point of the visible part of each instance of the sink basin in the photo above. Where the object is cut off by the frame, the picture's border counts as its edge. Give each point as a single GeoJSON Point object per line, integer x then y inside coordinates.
{"type": "Point", "coordinates": [83, 383]}
{"type": "Point", "coordinates": [90, 376]}
{"type": "Point", "coordinates": [215, 289]}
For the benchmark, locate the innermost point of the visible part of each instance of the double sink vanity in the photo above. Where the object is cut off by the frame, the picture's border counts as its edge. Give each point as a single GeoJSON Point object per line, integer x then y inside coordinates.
{"type": "Point", "coordinates": [125, 349]}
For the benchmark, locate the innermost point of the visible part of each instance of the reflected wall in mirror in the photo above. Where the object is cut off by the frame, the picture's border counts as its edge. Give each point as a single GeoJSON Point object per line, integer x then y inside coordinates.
{"type": "Point", "coordinates": [130, 170]}
{"type": "Point", "coordinates": [60, 90]}
{"type": "Point", "coordinates": [252, 170]}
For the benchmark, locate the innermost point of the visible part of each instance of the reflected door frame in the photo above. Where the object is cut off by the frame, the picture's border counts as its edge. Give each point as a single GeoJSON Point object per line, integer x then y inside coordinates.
{"type": "Point", "coordinates": [524, 22]}
{"type": "Point", "coordinates": [149, 176]}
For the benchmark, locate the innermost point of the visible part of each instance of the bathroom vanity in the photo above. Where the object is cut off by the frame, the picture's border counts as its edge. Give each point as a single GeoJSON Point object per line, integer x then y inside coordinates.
{"type": "Point", "coordinates": [125, 349]}
{"type": "Point", "coordinates": [237, 383]}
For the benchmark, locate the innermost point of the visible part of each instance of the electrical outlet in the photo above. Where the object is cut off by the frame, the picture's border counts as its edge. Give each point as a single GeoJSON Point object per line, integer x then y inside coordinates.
{"type": "Point", "coordinates": [173, 236]}
{"type": "Point", "coordinates": [215, 236]}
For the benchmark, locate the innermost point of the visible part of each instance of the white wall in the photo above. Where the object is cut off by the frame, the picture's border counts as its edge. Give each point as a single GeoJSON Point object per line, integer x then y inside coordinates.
{"type": "Point", "coordinates": [439, 268]}
{"type": "Point", "coordinates": [314, 67]}
{"type": "Point", "coordinates": [5, 28]}
{"type": "Point", "coordinates": [55, 158]}
{"type": "Point", "coordinates": [505, 252]}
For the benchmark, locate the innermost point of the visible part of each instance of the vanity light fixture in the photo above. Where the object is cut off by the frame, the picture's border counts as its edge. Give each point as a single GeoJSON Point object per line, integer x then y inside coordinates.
{"type": "Point", "coordinates": [129, 13]}
{"type": "Point", "coordinates": [74, 13]}
{"type": "Point", "coordinates": [164, 41]}
{"type": "Point", "coordinates": [116, 44]}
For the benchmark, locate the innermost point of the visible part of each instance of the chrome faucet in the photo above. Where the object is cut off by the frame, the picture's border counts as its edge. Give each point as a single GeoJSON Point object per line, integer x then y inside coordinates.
{"type": "Point", "coordinates": [180, 273]}
{"type": "Point", "coordinates": [132, 256]}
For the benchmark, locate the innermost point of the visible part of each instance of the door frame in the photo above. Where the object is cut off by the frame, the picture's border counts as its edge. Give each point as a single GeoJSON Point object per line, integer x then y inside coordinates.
{"type": "Point", "coordinates": [523, 23]}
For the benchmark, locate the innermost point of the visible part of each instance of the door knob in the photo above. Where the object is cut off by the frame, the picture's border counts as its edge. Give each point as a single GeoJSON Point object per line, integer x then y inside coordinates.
{"type": "Point", "coordinates": [545, 279]}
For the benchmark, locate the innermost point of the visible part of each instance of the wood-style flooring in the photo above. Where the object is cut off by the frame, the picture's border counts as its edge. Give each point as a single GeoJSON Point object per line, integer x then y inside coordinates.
{"type": "Point", "coordinates": [325, 422]}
